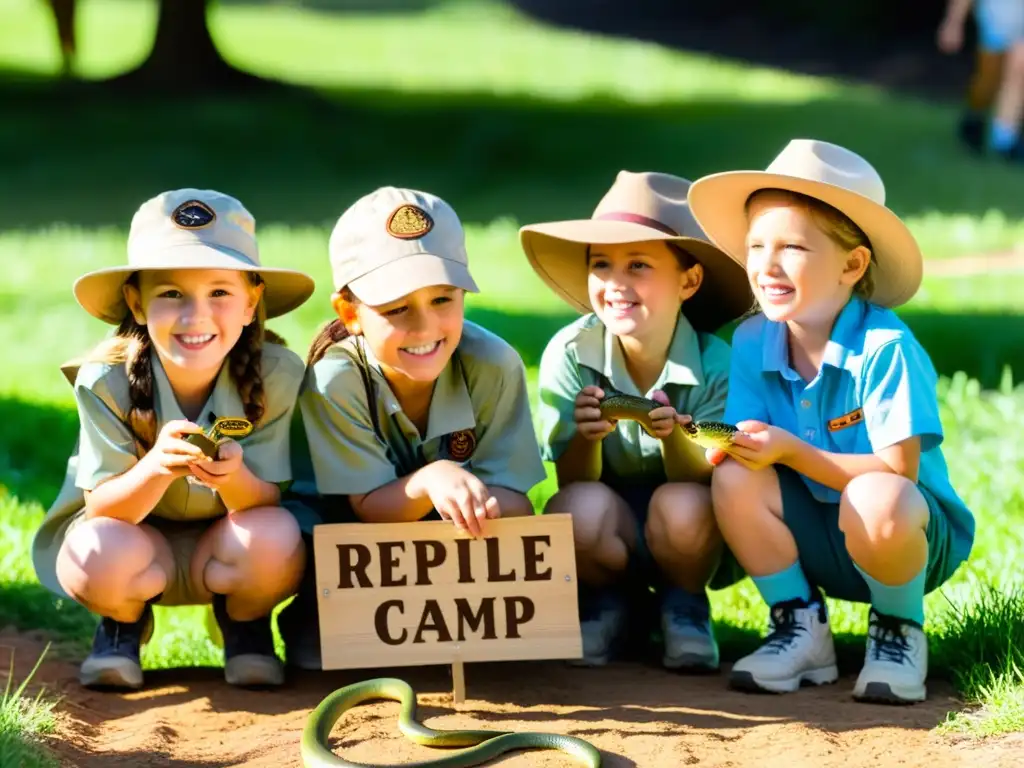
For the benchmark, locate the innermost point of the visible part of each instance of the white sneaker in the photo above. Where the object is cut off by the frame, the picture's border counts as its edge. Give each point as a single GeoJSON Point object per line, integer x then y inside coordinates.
{"type": "Point", "coordinates": [895, 662]}
{"type": "Point", "coordinates": [799, 649]}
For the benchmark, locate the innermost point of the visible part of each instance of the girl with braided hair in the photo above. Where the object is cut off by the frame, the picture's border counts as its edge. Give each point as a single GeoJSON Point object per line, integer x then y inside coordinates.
{"type": "Point", "coordinates": [146, 517]}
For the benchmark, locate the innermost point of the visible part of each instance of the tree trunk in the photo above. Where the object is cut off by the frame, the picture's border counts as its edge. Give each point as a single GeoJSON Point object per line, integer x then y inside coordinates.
{"type": "Point", "coordinates": [184, 59]}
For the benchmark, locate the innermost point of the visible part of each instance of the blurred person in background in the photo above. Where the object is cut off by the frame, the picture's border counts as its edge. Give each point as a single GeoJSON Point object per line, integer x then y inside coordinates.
{"type": "Point", "coordinates": [998, 77]}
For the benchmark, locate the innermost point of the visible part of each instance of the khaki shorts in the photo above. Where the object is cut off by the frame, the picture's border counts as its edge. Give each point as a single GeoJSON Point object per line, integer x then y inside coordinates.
{"type": "Point", "coordinates": [182, 537]}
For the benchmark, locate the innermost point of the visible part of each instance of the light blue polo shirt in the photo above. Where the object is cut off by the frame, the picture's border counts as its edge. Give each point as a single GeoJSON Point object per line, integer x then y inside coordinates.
{"type": "Point", "coordinates": [876, 387]}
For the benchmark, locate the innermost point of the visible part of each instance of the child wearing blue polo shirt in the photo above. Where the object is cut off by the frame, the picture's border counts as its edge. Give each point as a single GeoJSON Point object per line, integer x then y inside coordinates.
{"type": "Point", "coordinates": [839, 483]}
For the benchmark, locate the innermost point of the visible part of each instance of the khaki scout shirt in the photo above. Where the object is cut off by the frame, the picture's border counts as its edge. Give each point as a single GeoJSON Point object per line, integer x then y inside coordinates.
{"type": "Point", "coordinates": [584, 353]}
{"type": "Point", "coordinates": [106, 445]}
{"type": "Point", "coordinates": [479, 417]}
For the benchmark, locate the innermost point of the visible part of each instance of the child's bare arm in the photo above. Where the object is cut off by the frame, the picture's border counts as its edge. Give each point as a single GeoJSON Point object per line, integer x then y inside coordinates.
{"type": "Point", "coordinates": [951, 30]}
{"type": "Point", "coordinates": [580, 462]}
{"type": "Point", "coordinates": [400, 501]}
{"type": "Point", "coordinates": [133, 494]}
{"type": "Point", "coordinates": [836, 470]}
{"type": "Point", "coordinates": [130, 496]}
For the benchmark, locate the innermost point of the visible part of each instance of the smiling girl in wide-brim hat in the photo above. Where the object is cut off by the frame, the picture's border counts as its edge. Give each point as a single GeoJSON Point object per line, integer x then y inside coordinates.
{"type": "Point", "coordinates": [653, 289]}
{"type": "Point", "coordinates": [144, 516]}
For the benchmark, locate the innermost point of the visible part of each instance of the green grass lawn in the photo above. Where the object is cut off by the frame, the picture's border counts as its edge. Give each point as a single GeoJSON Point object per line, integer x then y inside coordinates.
{"type": "Point", "coordinates": [510, 122]}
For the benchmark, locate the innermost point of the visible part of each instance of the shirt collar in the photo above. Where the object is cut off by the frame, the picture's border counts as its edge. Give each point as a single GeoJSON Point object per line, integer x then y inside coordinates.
{"type": "Point", "coordinates": [451, 408]}
{"type": "Point", "coordinates": [775, 351]}
{"type": "Point", "coordinates": [223, 401]}
{"type": "Point", "coordinates": [599, 350]}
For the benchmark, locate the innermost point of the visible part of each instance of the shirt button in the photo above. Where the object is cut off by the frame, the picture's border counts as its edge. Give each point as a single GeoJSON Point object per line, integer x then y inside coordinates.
{"type": "Point", "coordinates": [805, 403]}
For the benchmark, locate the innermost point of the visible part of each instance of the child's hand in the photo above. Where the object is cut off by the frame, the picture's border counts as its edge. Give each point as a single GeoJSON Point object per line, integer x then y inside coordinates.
{"type": "Point", "coordinates": [589, 420]}
{"type": "Point", "coordinates": [171, 455]}
{"type": "Point", "coordinates": [459, 495]}
{"type": "Point", "coordinates": [951, 36]}
{"type": "Point", "coordinates": [757, 445]}
{"type": "Point", "coordinates": [665, 419]}
{"type": "Point", "coordinates": [214, 474]}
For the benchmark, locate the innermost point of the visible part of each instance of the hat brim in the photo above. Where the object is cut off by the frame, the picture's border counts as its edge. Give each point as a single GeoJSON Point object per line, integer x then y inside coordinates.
{"type": "Point", "coordinates": [403, 276]}
{"type": "Point", "coordinates": [557, 251]}
{"type": "Point", "coordinates": [101, 292]}
{"type": "Point", "coordinates": [719, 203]}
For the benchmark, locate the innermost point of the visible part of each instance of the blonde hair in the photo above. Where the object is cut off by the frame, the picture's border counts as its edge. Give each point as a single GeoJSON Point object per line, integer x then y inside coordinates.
{"type": "Point", "coordinates": [131, 344]}
{"type": "Point", "coordinates": [839, 227]}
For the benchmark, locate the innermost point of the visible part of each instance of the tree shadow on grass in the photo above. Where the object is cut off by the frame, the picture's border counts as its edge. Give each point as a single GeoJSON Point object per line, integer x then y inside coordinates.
{"type": "Point", "coordinates": [301, 159]}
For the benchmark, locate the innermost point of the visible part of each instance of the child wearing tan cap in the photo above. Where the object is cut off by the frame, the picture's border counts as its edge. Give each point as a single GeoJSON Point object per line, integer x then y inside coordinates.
{"type": "Point", "coordinates": [654, 290]}
{"type": "Point", "coordinates": [411, 412]}
{"type": "Point", "coordinates": [145, 516]}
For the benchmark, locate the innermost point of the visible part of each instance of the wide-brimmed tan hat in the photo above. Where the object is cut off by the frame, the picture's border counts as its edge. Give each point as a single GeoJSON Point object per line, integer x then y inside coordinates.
{"type": "Point", "coordinates": [834, 175]}
{"type": "Point", "coordinates": [191, 229]}
{"type": "Point", "coordinates": [639, 207]}
{"type": "Point", "coordinates": [395, 241]}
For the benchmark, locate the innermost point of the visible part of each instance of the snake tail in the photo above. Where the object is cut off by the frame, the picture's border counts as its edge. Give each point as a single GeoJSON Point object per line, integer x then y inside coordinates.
{"type": "Point", "coordinates": [479, 747]}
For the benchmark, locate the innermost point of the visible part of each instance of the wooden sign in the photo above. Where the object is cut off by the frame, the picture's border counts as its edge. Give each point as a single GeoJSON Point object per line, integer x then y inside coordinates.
{"type": "Point", "coordinates": [399, 594]}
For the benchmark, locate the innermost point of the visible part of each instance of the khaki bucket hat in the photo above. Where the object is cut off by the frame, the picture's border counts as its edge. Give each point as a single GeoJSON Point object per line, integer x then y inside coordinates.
{"type": "Point", "coordinates": [191, 229]}
{"type": "Point", "coordinates": [394, 241]}
{"type": "Point", "coordinates": [834, 175]}
{"type": "Point", "coordinates": [639, 207]}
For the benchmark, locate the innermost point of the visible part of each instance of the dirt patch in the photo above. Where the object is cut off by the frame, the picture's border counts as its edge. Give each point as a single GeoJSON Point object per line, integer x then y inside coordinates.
{"type": "Point", "coordinates": [636, 714]}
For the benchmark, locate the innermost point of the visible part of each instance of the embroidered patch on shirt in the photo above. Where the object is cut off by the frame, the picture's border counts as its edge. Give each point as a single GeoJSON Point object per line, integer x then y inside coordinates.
{"type": "Point", "coordinates": [193, 215]}
{"type": "Point", "coordinates": [409, 222]}
{"type": "Point", "coordinates": [848, 420]}
{"type": "Point", "coordinates": [461, 444]}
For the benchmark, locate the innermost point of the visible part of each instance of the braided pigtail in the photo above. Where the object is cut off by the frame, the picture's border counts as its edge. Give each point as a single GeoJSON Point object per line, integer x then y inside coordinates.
{"type": "Point", "coordinates": [245, 363]}
{"type": "Point", "coordinates": [329, 335]}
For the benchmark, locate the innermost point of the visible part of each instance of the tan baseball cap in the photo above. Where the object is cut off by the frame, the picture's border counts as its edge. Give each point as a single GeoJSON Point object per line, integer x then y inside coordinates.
{"type": "Point", "coordinates": [191, 229]}
{"type": "Point", "coordinates": [395, 241]}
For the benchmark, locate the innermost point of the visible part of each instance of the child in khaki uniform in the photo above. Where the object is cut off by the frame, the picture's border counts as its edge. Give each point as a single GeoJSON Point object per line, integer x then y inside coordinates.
{"type": "Point", "coordinates": [654, 290]}
{"type": "Point", "coordinates": [411, 412]}
{"type": "Point", "coordinates": [144, 517]}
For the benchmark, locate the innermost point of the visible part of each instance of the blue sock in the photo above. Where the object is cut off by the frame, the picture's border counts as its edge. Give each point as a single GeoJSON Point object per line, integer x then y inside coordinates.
{"type": "Point", "coordinates": [788, 584]}
{"type": "Point", "coordinates": [905, 601]}
{"type": "Point", "coordinates": [1002, 136]}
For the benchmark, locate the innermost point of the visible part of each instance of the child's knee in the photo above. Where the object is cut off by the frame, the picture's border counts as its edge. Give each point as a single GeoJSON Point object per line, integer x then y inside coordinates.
{"type": "Point", "coordinates": [106, 562]}
{"type": "Point", "coordinates": [680, 515]}
{"type": "Point", "coordinates": [260, 538]}
{"type": "Point", "coordinates": [736, 490]}
{"type": "Point", "coordinates": [592, 505]}
{"type": "Point", "coordinates": [882, 507]}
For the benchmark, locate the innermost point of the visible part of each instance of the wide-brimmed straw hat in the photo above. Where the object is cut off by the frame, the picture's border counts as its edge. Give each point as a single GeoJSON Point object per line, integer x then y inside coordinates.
{"type": "Point", "coordinates": [639, 207]}
{"type": "Point", "coordinates": [191, 229]}
{"type": "Point", "coordinates": [834, 175]}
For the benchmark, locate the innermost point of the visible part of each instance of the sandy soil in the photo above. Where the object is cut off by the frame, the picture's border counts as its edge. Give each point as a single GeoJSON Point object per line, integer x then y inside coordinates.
{"type": "Point", "coordinates": [637, 715]}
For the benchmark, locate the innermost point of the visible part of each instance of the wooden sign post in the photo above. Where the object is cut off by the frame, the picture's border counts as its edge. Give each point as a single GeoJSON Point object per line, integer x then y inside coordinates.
{"type": "Point", "coordinates": [402, 594]}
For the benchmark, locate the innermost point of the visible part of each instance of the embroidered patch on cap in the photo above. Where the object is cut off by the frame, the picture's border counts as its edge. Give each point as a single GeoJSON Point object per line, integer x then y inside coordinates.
{"type": "Point", "coordinates": [409, 222]}
{"type": "Point", "coordinates": [461, 444]}
{"type": "Point", "coordinates": [193, 215]}
{"type": "Point", "coordinates": [848, 420]}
